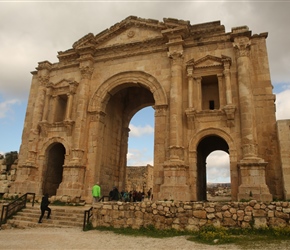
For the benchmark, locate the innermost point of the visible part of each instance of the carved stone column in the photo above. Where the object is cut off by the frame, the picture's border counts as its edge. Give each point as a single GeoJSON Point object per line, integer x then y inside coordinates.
{"type": "Point", "coordinates": [197, 90]}
{"type": "Point", "coordinates": [221, 91]}
{"type": "Point", "coordinates": [247, 112]}
{"type": "Point", "coordinates": [176, 127]}
{"type": "Point", "coordinates": [86, 69]}
{"type": "Point", "coordinates": [161, 113]}
{"type": "Point", "coordinates": [227, 76]}
{"type": "Point", "coordinates": [190, 87]}
{"type": "Point", "coordinates": [43, 79]}
{"type": "Point", "coordinates": [252, 168]}
{"type": "Point", "coordinates": [46, 104]}
{"type": "Point", "coordinates": [94, 155]}
{"type": "Point", "coordinates": [175, 172]}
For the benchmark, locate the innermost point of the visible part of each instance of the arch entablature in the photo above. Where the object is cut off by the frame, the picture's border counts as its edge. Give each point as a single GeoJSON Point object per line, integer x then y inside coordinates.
{"type": "Point", "coordinates": [193, 143]}
{"type": "Point", "coordinates": [124, 79]}
{"type": "Point", "coordinates": [50, 141]}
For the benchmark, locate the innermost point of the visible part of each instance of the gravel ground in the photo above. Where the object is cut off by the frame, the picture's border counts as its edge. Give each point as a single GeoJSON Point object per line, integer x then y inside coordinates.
{"type": "Point", "coordinates": [74, 238]}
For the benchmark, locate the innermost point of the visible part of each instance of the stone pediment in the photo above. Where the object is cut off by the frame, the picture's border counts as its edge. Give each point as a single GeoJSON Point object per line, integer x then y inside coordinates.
{"type": "Point", "coordinates": [130, 30]}
{"type": "Point", "coordinates": [209, 61]}
{"type": "Point", "coordinates": [63, 85]}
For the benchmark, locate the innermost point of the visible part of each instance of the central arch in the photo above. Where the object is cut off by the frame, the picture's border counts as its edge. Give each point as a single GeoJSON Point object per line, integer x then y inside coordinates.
{"type": "Point", "coordinates": [118, 99]}
{"type": "Point", "coordinates": [112, 85]}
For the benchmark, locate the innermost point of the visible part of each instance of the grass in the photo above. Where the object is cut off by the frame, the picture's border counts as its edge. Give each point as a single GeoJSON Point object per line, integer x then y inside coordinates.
{"type": "Point", "coordinates": [244, 238]}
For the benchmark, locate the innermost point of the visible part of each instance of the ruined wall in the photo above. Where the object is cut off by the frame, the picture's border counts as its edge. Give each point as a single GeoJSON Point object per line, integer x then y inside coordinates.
{"type": "Point", "coordinates": [139, 178]}
{"type": "Point", "coordinates": [191, 215]}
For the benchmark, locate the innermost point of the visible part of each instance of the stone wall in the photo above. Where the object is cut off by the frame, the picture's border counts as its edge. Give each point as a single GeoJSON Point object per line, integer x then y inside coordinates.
{"type": "Point", "coordinates": [191, 215]}
{"type": "Point", "coordinates": [139, 178]}
{"type": "Point", "coordinates": [6, 177]}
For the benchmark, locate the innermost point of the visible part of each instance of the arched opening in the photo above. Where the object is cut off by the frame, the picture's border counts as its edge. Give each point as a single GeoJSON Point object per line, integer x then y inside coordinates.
{"type": "Point", "coordinates": [218, 176]}
{"type": "Point", "coordinates": [122, 105]}
{"type": "Point", "coordinates": [206, 146]}
{"type": "Point", "coordinates": [139, 175]}
{"type": "Point", "coordinates": [54, 169]}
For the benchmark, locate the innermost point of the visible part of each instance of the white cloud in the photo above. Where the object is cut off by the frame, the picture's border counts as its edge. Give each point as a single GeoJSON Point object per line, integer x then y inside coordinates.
{"type": "Point", "coordinates": [138, 131]}
{"type": "Point", "coordinates": [283, 105]}
{"type": "Point", "coordinates": [139, 157]}
{"type": "Point", "coordinates": [218, 167]}
{"type": "Point", "coordinates": [6, 107]}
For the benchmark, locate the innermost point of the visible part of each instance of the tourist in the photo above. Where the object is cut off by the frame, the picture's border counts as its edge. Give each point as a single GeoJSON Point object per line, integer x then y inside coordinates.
{"type": "Point", "coordinates": [96, 192]}
{"type": "Point", "coordinates": [44, 207]}
{"type": "Point", "coordinates": [149, 194]}
{"type": "Point", "coordinates": [114, 194]}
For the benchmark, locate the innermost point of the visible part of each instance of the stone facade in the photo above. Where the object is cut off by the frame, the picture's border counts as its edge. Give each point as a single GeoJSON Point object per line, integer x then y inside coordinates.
{"type": "Point", "coordinates": [191, 215]}
{"type": "Point", "coordinates": [211, 90]}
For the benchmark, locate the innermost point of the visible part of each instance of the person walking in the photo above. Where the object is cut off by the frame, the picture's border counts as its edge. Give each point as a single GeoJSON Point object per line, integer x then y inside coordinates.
{"type": "Point", "coordinates": [44, 207]}
{"type": "Point", "coordinates": [96, 192]}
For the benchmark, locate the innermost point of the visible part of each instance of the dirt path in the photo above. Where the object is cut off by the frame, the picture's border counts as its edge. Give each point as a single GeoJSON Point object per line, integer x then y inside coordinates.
{"type": "Point", "coordinates": [72, 238]}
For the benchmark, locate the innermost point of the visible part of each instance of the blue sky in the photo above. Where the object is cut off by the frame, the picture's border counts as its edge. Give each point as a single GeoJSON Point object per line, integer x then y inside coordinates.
{"type": "Point", "coordinates": [31, 32]}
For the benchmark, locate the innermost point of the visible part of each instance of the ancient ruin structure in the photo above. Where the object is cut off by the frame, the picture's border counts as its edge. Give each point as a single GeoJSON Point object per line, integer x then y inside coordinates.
{"type": "Point", "coordinates": [211, 90]}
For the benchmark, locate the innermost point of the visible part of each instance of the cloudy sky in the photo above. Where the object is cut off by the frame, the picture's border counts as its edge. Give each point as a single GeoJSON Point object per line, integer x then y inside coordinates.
{"type": "Point", "coordinates": [34, 31]}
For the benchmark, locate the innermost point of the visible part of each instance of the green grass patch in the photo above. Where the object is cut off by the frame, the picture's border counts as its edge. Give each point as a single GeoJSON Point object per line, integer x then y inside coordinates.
{"type": "Point", "coordinates": [149, 231]}
{"type": "Point", "coordinates": [210, 235]}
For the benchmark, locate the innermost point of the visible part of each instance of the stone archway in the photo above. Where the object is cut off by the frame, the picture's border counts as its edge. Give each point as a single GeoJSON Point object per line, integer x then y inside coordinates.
{"type": "Point", "coordinates": [111, 108]}
{"type": "Point", "coordinates": [200, 146]}
{"type": "Point", "coordinates": [52, 175]}
{"type": "Point", "coordinates": [206, 146]}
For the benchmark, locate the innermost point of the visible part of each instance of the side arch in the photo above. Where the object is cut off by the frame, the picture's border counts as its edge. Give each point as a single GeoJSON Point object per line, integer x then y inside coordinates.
{"type": "Point", "coordinates": [194, 160]}
{"type": "Point", "coordinates": [115, 83]}
{"type": "Point", "coordinates": [53, 140]}
{"type": "Point", "coordinates": [212, 131]}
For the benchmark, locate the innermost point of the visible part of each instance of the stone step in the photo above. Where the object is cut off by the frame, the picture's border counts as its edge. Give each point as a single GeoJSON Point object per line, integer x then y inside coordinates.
{"type": "Point", "coordinates": [60, 217]}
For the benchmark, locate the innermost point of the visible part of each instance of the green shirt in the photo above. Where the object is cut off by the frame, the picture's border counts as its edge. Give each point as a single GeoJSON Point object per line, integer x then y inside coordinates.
{"type": "Point", "coordinates": [96, 191]}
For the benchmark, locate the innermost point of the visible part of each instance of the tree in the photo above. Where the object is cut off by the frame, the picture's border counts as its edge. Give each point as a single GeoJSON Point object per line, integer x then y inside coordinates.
{"type": "Point", "coordinates": [10, 159]}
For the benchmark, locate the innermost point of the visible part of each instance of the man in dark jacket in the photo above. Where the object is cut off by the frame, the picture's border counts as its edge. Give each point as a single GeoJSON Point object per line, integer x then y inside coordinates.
{"type": "Point", "coordinates": [114, 194]}
{"type": "Point", "coordinates": [44, 207]}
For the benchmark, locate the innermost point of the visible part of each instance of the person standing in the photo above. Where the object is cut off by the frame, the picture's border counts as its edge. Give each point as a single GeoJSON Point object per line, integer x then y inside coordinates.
{"type": "Point", "coordinates": [96, 192]}
{"type": "Point", "coordinates": [44, 207]}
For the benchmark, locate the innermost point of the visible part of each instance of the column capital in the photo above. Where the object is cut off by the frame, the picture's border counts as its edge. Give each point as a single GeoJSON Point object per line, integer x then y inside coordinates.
{"type": "Point", "coordinates": [72, 87]}
{"type": "Point", "coordinates": [242, 46]}
{"type": "Point", "coordinates": [190, 71]}
{"type": "Point", "coordinates": [176, 56]}
{"type": "Point", "coordinates": [160, 110]}
{"type": "Point", "coordinates": [86, 72]}
{"type": "Point", "coordinates": [44, 80]}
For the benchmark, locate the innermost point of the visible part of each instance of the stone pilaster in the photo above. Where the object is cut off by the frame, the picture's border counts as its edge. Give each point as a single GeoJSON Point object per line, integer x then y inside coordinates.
{"type": "Point", "coordinates": [95, 144]}
{"type": "Point", "coordinates": [86, 70]}
{"type": "Point", "coordinates": [175, 171]}
{"type": "Point", "coordinates": [46, 104]}
{"type": "Point", "coordinates": [43, 80]}
{"type": "Point", "coordinates": [190, 87]}
{"type": "Point", "coordinates": [176, 140]}
{"type": "Point", "coordinates": [197, 90]}
{"type": "Point", "coordinates": [251, 167]}
{"type": "Point", "coordinates": [161, 113]}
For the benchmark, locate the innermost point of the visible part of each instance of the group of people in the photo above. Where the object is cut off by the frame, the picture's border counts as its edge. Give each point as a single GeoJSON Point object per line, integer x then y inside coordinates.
{"type": "Point", "coordinates": [132, 196]}
{"type": "Point", "coordinates": [114, 195]}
